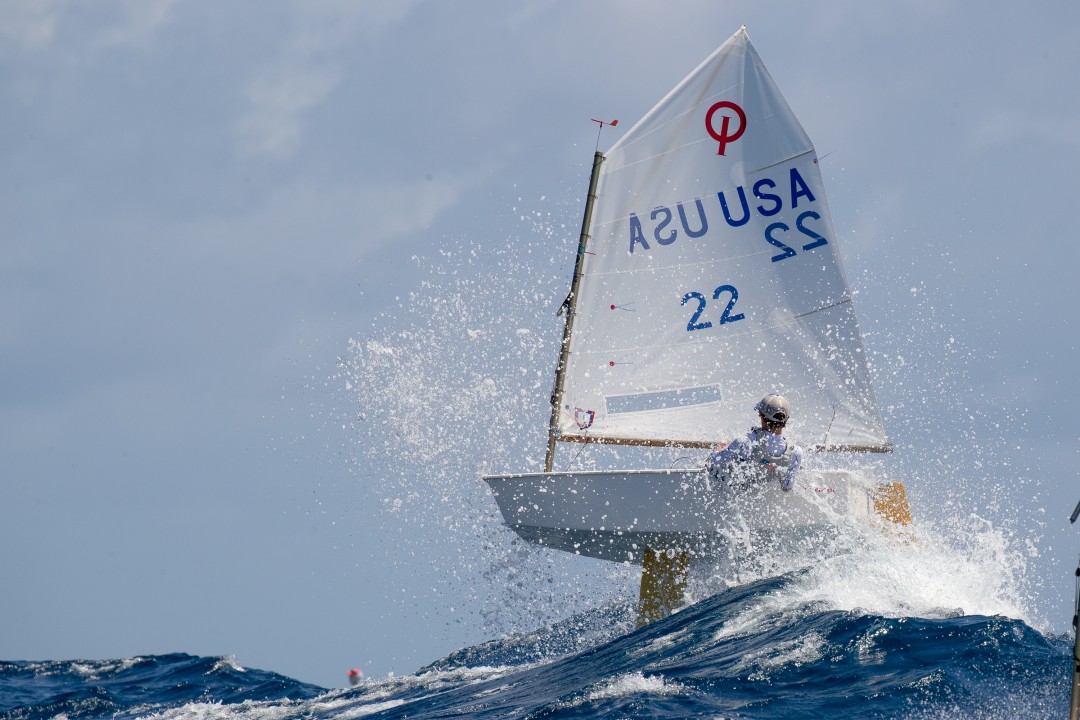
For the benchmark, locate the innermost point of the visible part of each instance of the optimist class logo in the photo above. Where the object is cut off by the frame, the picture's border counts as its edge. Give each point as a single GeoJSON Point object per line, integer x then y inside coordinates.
{"type": "Point", "coordinates": [724, 136]}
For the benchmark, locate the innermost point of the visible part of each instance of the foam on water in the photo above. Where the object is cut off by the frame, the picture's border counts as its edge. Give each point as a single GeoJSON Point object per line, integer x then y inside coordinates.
{"type": "Point", "coordinates": [633, 684]}
{"type": "Point", "coordinates": [757, 665]}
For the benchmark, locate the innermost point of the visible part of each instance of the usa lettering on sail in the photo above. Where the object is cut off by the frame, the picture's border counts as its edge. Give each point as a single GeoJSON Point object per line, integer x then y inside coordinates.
{"type": "Point", "coordinates": [737, 210]}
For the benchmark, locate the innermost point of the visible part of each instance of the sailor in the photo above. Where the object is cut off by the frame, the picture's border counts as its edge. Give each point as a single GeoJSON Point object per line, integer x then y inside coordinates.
{"type": "Point", "coordinates": [763, 455]}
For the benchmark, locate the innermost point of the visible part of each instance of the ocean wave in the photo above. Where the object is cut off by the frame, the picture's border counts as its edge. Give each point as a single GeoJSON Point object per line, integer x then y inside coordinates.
{"type": "Point", "coordinates": [752, 651]}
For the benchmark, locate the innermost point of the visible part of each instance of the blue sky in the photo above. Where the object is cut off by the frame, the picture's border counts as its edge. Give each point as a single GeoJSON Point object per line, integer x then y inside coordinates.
{"type": "Point", "coordinates": [208, 207]}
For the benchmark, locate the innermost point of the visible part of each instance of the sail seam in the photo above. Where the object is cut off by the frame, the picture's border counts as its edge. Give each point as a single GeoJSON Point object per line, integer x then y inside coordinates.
{"type": "Point", "coordinates": [822, 309]}
{"type": "Point", "coordinates": [781, 162]}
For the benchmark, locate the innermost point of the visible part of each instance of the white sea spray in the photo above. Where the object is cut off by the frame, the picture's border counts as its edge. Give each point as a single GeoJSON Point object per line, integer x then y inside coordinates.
{"type": "Point", "coordinates": [452, 384]}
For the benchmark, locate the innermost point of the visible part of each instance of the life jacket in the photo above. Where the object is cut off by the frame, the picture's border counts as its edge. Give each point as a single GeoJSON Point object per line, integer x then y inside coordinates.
{"type": "Point", "coordinates": [761, 465]}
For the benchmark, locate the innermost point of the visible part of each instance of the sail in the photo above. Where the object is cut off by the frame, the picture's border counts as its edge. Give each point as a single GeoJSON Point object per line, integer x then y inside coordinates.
{"type": "Point", "coordinates": [712, 277]}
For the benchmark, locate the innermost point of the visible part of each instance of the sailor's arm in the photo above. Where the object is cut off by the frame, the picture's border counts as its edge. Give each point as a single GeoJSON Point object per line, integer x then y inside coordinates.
{"type": "Point", "coordinates": [788, 480]}
{"type": "Point", "coordinates": [725, 452]}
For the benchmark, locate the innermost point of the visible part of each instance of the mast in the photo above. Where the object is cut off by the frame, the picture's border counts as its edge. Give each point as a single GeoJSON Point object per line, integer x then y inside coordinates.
{"type": "Point", "coordinates": [570, 307]}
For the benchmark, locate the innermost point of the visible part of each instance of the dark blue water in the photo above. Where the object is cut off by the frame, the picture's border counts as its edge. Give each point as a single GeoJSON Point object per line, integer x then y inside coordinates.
{"type": "Point", "coordinates": [135, 687]}
{"type": "Point", "coordinates": [733, 655]}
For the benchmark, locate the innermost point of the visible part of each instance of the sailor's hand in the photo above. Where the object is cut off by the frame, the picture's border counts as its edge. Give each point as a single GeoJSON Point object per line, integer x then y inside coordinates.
{"type": "Point", "coordinates": [720, 446]}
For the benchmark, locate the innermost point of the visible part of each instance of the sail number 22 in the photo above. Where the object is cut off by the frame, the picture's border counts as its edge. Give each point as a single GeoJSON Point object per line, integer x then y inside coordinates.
{"type": "Point", "coordinates": [789, 251]}
{"type": "Point", "coordinates": [725, 317]}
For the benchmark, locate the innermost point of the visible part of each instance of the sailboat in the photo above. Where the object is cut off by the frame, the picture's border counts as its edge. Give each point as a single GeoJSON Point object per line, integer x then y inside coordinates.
{"type": "Point", "coordinates": [707, 276]}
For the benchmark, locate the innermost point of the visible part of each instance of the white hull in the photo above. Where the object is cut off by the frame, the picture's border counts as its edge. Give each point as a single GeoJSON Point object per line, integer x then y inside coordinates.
{"type": "Point", "coordinates": [615, 515]}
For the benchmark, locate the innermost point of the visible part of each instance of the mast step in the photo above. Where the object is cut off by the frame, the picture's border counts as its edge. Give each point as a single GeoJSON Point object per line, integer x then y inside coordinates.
{"type": "Point", "coordinates": [663, 584]}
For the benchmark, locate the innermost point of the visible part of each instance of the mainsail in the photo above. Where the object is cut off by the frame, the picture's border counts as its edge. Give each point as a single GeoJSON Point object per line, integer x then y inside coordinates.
{"type": "Point", "coordinates": [711, 277]}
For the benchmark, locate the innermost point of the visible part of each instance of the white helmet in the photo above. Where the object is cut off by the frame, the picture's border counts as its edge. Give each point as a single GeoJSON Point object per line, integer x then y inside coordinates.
{"type": "Point", "coordinates": [774, 408]}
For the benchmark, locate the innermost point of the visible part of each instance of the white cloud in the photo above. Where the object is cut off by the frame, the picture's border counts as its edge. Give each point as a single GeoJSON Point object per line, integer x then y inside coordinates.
{"type": "Point", "coordinates": [273, 123]}
{"type": "Point", "coordinates": [138, 22]}
{"type": "Point", "coordinates": [311, 230]}
{"type": "Point", "coordinates": [304, 231]}
{"type": "Point", "coordinates": [306, 74]}
{"type": "Point", "coordinates": [34, 25]}
{"type": "Point", "coordinates": [29, 24]}
{"type": "Point", "coordinates": [1007, 127]}
{"type": "Point", "coordinates": [323, 23]}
